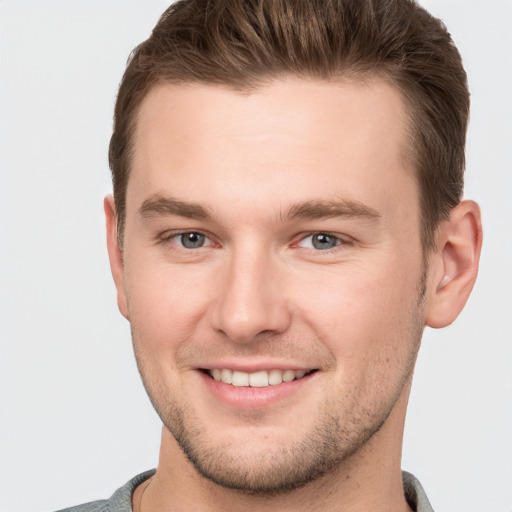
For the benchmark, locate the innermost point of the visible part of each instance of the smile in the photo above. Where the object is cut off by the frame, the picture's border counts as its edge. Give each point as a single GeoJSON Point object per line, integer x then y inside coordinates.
{"type": "Point", "coordinates": [257, 379]}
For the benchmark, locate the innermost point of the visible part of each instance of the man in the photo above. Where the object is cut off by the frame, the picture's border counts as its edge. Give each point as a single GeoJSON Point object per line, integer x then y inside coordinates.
{"type": "Point", "coordinates": [286, 220]}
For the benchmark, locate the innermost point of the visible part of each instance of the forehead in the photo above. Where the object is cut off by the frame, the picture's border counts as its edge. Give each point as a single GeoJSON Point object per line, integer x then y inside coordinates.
{"type": "Point", "coordinates": [291, 140]}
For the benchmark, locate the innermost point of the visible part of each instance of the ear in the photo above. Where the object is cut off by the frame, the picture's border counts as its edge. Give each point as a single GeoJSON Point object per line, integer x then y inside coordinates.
{"type": "Point", "coordinates": [115, 254]}
{"type": "Point", "coordinates": [454, 265]}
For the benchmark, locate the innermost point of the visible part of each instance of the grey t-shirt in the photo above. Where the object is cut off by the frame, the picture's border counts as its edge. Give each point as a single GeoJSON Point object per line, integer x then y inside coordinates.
{"type": "Point", "coordinates": [121, 500]}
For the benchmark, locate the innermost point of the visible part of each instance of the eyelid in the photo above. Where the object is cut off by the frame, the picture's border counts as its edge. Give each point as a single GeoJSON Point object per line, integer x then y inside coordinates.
{"type": "Point", "coordinates": [168, 236]}
{"type": "Point", "coordinates": [342, 239]}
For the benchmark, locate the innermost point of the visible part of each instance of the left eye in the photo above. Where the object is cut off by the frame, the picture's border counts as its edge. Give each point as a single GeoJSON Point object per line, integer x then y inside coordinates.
{"type": "Point", "coordinates": [191, 240]}
{"type": "Point", "coordinates": [320, 241]}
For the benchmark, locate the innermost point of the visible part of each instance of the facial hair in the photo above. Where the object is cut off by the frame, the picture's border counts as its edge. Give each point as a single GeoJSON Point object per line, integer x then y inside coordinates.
{"type": "Point", "coordinates": [331, 441]}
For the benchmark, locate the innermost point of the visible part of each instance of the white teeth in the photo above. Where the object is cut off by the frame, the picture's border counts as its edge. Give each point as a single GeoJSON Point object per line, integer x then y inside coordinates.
{"type": "Point", "coordinates": [257, 379]}
{"type": "Point", "coordinates": [275, 377]}
{"type": "Point", "coordinates": [226, 376]}
{"type": "Point", "coordinates": [240, 379]}
{"type": "Point", "coordinates": [288, 375]}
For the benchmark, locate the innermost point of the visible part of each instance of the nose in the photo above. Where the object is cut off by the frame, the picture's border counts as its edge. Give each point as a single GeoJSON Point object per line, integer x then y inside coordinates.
{"type": "Point", "coordinates": [251, 301]}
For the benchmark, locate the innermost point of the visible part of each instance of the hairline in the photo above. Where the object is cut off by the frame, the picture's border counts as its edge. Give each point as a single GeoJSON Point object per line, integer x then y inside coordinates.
{"type": "Point", "coordinates": [349, 74]}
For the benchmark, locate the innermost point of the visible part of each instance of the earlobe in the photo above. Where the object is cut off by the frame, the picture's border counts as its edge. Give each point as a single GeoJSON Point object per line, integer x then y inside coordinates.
{"type": "Point", "coordinates": [115, 254]}
{"type": "Point", "coordinates": [455, 264]}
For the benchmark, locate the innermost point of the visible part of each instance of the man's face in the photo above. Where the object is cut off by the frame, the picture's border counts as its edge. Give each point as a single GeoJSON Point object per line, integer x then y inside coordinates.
{"type": "Point", "coordinates": [269, 236]}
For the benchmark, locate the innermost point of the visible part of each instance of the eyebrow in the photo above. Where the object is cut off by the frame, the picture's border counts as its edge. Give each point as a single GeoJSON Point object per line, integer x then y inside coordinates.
{"type": "Point", "coordinates": [158, 206]}
{"type": "Point", "coordinates": [317, 210]}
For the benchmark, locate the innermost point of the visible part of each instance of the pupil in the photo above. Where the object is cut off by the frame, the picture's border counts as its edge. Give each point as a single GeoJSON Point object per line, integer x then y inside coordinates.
{"type": "Point", "coordinates": [323, 241]}
{"type": "Point", "coordinates": [192, 240]}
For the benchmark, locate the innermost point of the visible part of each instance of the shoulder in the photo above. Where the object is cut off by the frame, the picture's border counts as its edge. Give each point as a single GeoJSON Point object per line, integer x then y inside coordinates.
{"type": "Point", "coordinates": [415, 494]}
{"type": "Point", "coordinates": [120, 501]}
{"type": "Point", "coordinates": [93, 506]}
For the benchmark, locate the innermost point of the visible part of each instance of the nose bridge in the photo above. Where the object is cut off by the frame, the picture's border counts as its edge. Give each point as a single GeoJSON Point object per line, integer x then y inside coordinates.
{"type": "Point", "coordinates": [250, 301]}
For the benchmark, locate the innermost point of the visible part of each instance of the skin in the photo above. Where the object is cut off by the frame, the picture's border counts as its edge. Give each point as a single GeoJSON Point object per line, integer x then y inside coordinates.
{"type": "Point", "coordinates": [259, 174]}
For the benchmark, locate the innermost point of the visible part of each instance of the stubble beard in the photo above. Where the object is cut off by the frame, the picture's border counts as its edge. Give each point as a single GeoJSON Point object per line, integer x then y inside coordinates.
{"type": "Point", "coordinates": [270, 472]}
{"type": "Point", "coordinates": [331, 441]}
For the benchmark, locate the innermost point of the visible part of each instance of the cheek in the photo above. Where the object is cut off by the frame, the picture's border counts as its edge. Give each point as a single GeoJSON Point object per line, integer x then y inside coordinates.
{"type": "Point", "coordinates": [166, 303]}
{"type": "Point", "coordinates": [361, 315]}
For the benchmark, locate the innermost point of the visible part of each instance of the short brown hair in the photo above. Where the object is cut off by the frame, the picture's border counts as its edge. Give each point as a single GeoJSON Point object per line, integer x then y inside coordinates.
{"type": "Point", "coordinates": [245, 43]}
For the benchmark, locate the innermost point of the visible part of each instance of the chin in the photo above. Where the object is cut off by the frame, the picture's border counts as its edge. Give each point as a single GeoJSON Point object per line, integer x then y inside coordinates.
{"type": "Point", "coordinates": [255, 466]}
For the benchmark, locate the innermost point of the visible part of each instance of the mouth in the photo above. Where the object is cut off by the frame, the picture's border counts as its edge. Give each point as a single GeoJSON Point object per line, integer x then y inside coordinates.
{"type": "Point", "coordinates": [258, 379]}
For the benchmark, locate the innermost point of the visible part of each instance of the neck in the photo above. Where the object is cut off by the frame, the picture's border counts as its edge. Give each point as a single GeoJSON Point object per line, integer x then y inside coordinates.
{"type": "Point", "coordinates": [369, 480]}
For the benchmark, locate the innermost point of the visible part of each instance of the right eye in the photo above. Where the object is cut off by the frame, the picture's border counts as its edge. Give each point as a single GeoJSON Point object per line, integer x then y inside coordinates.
{"type": "Point", "coordinates": [321, 241]}
{"type": "Point", "coordinates": [190, 240]}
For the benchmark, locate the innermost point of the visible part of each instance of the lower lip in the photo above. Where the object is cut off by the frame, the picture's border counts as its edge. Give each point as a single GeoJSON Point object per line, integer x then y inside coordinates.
{"type": "Point", "coordinates": [247, 397]}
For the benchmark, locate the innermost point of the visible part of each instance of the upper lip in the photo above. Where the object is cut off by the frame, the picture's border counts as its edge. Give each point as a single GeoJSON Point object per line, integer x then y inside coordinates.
{"type": "Point", "coordinates": [256, 367]}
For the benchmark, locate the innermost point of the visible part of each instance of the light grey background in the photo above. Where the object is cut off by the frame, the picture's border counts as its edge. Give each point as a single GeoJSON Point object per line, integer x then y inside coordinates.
{"type": "Point", "coordinates": [74, 420]}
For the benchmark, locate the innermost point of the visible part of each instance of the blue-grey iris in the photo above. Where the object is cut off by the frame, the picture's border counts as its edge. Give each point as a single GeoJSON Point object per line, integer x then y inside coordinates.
{"type": "Point", "coordinates": [323, 241]}
{"type": "Point", "coordinates": [192, 240]}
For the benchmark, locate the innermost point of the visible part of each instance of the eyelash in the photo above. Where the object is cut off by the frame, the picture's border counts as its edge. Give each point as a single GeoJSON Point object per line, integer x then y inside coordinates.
{"type": "Point", "coordinates": [169, 237]}
{"type": "Point", "coordinates": [339, 241]}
